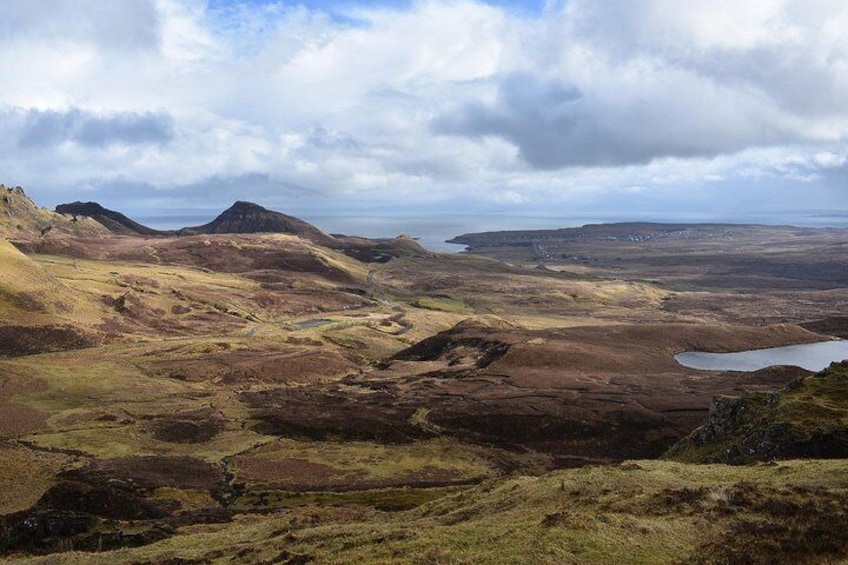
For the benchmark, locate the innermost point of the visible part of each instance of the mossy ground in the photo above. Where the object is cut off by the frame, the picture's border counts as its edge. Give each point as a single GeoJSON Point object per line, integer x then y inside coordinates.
{"type": "Point", "coordinates": [808, 418]}
{"type": "Point", "coordinates": [635, 512]}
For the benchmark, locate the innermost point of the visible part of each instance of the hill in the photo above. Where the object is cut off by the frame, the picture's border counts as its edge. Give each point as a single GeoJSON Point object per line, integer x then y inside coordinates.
{"type": "Point", "coordinates": [22, 219]}
{"type": "Point", "coordinates": [266, 398]}
{"type": "Point", "coordinates": [25, 221]}
{"type": "Point", "coordinates": [246, 217]}
{"type": "Point", "coordinates": [635, 512]}
{"type": "Point", "coordinates": [693, 257]}
{"type": "Point", "coordinates": [35, 308]}
{"type": "Point", "coordinates": [115, 222]}
{"type": "Point", "coordinates": [808, 418]}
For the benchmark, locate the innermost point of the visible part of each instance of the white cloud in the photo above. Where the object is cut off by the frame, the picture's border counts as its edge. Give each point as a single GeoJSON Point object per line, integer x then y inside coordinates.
{"type": "Point", "coordinates": [830, 160]}
{"type": "Point", "coordinates": [446, 99]}
{"type": "Point", "coordinates": [128, 24]}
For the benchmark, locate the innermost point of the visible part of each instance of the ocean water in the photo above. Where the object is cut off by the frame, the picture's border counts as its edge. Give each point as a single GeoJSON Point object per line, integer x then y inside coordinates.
{"type": "Point", "coordinates": [433, 230]}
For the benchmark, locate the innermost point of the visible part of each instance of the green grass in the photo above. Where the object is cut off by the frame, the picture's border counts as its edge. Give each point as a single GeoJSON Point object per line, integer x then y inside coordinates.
{"type": "Point", "coordinates": [637, 512]}
{"type": "Point", "coordinates": [358, 465]}
{"type": "Point", "coordinates": [385, 499]}
{"type": "Point", "coordinates": [100, 403]}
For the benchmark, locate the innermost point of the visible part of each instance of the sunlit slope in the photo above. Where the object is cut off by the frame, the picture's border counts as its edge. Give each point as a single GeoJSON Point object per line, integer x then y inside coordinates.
{"type": "Point", "coordinates": [28, 293]}
{"type": "Point", "coordinates": [21, 218]}
{"type": "Point", "coordinates": [197, 285]}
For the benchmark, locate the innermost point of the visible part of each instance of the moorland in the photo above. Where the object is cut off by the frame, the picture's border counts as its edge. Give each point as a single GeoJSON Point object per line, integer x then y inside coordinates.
{"type": "Point", "coordinates": [254, 390]}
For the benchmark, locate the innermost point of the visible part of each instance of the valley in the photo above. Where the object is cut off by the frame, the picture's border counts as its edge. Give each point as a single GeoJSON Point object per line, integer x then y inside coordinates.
{"type": "Point", "coordinates": [254, 390]}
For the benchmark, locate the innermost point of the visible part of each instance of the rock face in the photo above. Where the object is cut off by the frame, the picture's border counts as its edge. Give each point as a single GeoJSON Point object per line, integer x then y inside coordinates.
{"type": "Point", "coordinates": [22, 220]}
{"type": "Point", "coordinates": [240, 218]}
{"type": "Point", "coordinates": [246, 217]}
{"type": "Point", "coordinates": [808, 418]}
{"type": "Point", "coordinates": [115, 222]}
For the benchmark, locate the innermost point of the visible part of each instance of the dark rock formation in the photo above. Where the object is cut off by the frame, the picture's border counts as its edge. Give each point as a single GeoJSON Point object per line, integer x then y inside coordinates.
{"type": "Point", "coordinates": [805, 419]}
{"type": "Point", "coordinates": [246, 217]}
{"type": "Point", "coordinates": [115, 222]}
{"type": "Point", "coordinates": [836, 326]}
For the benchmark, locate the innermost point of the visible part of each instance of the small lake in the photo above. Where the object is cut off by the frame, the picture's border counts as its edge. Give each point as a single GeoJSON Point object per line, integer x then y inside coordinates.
{"type": "Point", "coordinates": [811, 356]}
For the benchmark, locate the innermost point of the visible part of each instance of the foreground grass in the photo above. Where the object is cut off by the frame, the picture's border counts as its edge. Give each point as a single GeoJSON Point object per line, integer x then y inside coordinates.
{"type": "Point", "coordinates": [636, 512]}
{"type": "Point", "coordinates": [361, 465]}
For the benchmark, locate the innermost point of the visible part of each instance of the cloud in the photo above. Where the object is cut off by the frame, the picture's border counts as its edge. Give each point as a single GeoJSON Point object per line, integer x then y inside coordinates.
{"type": "Point", "coordinates": [424, 102]}
{"type": "Point", "coordinates": [620, 82]}
{"type": "Point", "coordinates": [125, 24]}
{"type": "Point", "coordinates": [40, 129]}
{"type": "Point", "coordinates": [556, 124]}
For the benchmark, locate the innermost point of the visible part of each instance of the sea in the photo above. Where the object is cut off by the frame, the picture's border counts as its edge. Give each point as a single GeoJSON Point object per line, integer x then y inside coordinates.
{"type": "Point", "coordinates": [433, 230]}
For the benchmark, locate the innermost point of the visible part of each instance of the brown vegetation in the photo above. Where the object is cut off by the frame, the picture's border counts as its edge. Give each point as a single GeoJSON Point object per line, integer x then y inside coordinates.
{"type": "Point", "coordinates": [258, 397]}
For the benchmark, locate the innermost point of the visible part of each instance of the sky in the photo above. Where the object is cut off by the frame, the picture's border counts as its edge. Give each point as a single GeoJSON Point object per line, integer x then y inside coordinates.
{"type": "Point", "coordinates": [561, 107]}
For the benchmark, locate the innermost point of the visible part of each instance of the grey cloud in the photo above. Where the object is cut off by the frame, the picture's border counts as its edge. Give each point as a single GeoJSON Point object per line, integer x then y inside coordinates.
{"type": "Point", "coordinates": [661, 84]}
{"type": "Point", "coordinates": [793, 79]}
{"type": "Point", "coordinates": [556, 125]}
{"type": "Point", "coordinates": [125, 23]}
{"type": "Point", "coordinates": [48, 128]}
{"type": "Point", "coordinates": [547, 121]}
{"type": "Point", "coordinates": [802, 71]}
{"type": "Point", "coordinates": [541, 118]}
{"type": "Point", "coordinates": [209, 196]}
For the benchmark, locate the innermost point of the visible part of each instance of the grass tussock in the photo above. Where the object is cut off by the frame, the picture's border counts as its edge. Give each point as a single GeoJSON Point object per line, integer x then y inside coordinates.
{"type": "Point", "coordinates": [636, 512]}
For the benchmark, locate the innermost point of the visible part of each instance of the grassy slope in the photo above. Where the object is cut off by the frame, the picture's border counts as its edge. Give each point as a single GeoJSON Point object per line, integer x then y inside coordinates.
{"type": "Point", "coordinates": [101, 401]}
{"type": "Point", "coordinates": [636, 512]}
{"type": "Point", "coordinates": [29, 293]}
{"type": "Point", "coordinates": [21, 218]}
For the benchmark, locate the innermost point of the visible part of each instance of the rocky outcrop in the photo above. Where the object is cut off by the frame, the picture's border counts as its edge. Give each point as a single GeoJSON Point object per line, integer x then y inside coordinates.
{"type": "Point", "coordinates": [22, 219]}
{"type": "Point", "coordinates": [115, 222]}
{"type": "Point", "coordinates": [246, 217]}
{"type": "Point", "coordinates": [807, 419]}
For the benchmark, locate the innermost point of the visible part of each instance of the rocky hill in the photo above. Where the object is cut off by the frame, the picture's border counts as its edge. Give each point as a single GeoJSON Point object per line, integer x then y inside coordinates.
{"type": "Point", "coordinates": [22, 219]}
{"type": "Point", "coordinates": [33, 227]}
{"type": "Point", "coordinates": [246, 217]}
{"type": "Point", "coordinates": [115, 222]}
{"type": "Point", "coordinates": [808, 418]}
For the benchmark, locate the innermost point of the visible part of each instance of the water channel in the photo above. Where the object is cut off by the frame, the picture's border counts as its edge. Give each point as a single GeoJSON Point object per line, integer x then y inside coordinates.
{"type": "Point", "coordinates": [811, 356]}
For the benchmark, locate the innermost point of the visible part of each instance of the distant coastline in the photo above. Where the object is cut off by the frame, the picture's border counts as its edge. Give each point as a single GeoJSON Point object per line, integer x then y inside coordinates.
{"type": "Point", "coordinates": [432, 230]}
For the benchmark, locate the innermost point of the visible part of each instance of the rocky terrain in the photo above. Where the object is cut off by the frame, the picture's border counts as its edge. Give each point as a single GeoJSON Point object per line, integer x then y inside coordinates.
{"type": "Point", "coordinates": [113, 221]}
{"type": "Point", "coordinates": [805, 419]}
{"type": "Point", "coordinates": [21, 219]}
{"type": "Point", "coordinates": [246, 217]}
{"type": "Point", "coordinates": [257, 391]}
